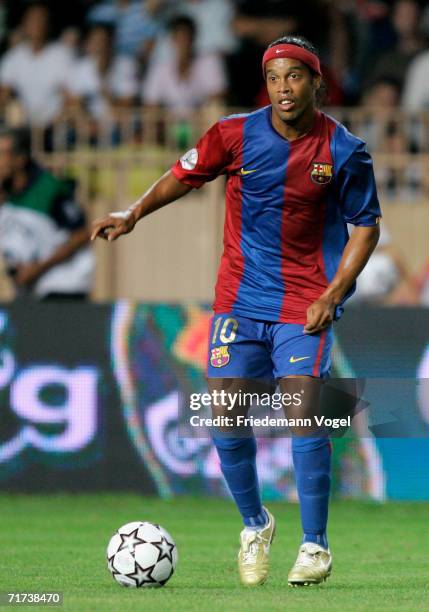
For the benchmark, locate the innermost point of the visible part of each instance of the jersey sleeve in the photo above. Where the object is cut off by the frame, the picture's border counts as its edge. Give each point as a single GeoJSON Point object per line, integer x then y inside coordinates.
{"type": "Point", "coordinates": [205, 162]}
{"type": "Point", "coordinates": [357, 190]}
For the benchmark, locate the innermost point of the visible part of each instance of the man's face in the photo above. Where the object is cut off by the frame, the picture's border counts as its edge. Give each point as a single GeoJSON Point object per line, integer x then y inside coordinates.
{"type": "Point", "coordinates": [98, 42]}
{"type": "Point", "coordinates": [8, 159]}
{"type": "Point", "coordinates": [405, 17]}
{"type": "Point", "coordinates": [291, 88]}
{"type": "Point", "coordinates": [36, 23]}
{"type": "Point", "coordinates": [183, 39]}
{"type": "Point", "coordinates": [382, 95]}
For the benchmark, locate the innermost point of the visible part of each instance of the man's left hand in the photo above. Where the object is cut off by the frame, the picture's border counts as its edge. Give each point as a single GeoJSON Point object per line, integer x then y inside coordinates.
{"type": "Point", "coordinates": [319, 315]}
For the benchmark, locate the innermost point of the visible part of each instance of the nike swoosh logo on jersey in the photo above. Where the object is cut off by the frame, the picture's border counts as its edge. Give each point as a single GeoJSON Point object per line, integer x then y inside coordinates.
{"type": "Point", "coordinates": [295, 359]}
{"type": "Point", "coordinates": [243, 172]}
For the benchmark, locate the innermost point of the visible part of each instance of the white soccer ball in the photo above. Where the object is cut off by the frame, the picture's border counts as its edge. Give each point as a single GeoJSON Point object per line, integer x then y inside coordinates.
{"type": "Point", "coordinates": [141, 554]}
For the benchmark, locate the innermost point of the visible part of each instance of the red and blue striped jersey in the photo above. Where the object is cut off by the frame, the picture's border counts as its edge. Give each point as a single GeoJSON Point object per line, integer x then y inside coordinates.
{"type": "Point", "coordinates": [287, 208]}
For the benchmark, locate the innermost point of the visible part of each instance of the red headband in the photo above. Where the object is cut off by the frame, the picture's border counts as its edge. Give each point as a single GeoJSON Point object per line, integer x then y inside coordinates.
{"type": "Point", "coordinates": [294, 52]}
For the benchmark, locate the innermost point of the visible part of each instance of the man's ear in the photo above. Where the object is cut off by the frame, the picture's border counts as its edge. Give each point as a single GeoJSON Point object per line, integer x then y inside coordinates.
{"type": "Point", "coordinates": [317, 82]}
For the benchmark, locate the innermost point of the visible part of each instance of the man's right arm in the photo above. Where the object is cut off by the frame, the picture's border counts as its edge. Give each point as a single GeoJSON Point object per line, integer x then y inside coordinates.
{"type": "Point", "coordinates": [207, 160]}
{"type": "Point", "coordinates": [167, 189]}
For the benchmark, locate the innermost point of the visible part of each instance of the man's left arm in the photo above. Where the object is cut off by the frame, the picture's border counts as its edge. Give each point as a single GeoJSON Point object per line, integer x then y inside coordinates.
{"type": "Point", "coordinates": [359, 206]}
{"type": "Point", "coordinates": [355, 256]}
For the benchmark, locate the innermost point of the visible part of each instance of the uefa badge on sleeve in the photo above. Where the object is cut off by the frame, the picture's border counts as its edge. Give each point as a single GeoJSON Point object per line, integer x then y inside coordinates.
{"type": "Point", "coordinates": [219, 357]}
{"type": "Point", "coordinates": [321, 173]}
{"type": "Point", "coordinates": [189, 160]}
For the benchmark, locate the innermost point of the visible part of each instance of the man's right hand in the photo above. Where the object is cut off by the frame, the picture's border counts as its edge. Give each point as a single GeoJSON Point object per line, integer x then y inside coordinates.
{"type": "Point", "coordinates": [114, 225]}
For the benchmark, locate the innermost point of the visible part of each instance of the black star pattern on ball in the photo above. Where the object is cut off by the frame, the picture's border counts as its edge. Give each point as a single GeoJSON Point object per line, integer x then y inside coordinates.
{"type": "Point", "coordinates": [162, 582]}
{"type": "Point", "coordinates": [110, 565]}
{"type": "Point", "coordinates": [165, 549]}
{"type": "Point", "coordinates": [130, 541]}
{"type": "Point", "coordinates": [143, 576]}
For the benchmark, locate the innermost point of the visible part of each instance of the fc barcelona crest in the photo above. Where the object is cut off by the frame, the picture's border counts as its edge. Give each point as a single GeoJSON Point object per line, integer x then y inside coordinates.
{"type": "Point", "coordinates": [219, 357]}
{"type": "Point", "coordinates": [321, 173]}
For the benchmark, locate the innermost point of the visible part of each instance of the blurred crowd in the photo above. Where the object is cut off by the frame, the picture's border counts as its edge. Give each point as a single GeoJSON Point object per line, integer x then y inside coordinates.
{"type": "Point", "coordinates": [102, 56]}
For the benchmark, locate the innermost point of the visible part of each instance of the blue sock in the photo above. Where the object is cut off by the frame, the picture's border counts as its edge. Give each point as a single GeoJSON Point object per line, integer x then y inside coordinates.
{"type": "Point", "coordinates": [238, 463]}
{"type": "Point", "coordinates": [312, 462]}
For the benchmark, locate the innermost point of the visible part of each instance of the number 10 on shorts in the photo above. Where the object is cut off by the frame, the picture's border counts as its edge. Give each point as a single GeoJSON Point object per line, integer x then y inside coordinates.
{"type": "Point", "coordinates": [228, 331]}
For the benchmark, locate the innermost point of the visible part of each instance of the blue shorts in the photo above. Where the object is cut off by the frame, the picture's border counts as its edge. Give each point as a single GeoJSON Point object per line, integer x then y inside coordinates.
{"type": "Point", "coordinates": [246, 348]}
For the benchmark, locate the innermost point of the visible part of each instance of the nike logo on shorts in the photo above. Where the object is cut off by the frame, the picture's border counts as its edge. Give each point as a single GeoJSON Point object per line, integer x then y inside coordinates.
{"type": "Point", "coordinates": [295, 359]}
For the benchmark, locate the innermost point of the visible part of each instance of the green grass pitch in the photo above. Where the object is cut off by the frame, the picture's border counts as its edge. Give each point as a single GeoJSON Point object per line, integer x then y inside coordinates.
{"type": "Point", "coordinates": [58, 544]}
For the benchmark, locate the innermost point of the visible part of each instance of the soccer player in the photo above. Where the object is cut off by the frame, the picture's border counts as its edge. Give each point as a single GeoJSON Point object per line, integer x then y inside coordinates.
{"type": "Point", "coordinates": [295, 178]}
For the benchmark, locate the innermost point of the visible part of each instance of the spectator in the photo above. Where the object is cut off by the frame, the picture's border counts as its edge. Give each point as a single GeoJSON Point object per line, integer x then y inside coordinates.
{"type": "Point", "coordinates": [336, 51]}
{"type": "Point", "coordinates": [384, 93]}
{"type": "Point", "coordinates": [416, 91]}
{"type": "Point", "coordinates": [370, 34]}
{"type": "Point", "coordinates": [186, 80]}
{"type": "Point", "coordinates": [135, 22]}
{"type": "Point", "coordinates": [406, 17]}
{"type": "Point", "coordinates": [35, 70]}
{"type": "Point", "coordinates": [70, 38]}
{"type": "Point", "coordinates": [43, 233]}
{"type": "Point", "coordinates": [101, 82]}
{"type": "Point", "coordinates": [383, 128]}
{"type": "Point", "coordinates": [380, 128]}
{"type": "Point", "coordinates": [213, 19]}
{"type": "Point", "coordinates": [385, 278]}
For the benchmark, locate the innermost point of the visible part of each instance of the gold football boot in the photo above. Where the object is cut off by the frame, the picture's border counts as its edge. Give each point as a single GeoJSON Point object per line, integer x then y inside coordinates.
{"type": "Point", "coordinates": [312, 566]}
{"type": "Point", "coordinates": [253, 556]}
